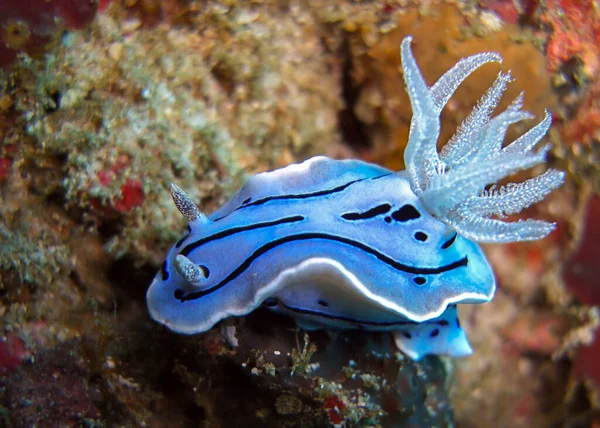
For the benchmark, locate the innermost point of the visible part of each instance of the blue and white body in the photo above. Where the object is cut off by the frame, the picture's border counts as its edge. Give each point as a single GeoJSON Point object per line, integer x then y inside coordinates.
{"type": "Point", "coordinates": [351, 245]}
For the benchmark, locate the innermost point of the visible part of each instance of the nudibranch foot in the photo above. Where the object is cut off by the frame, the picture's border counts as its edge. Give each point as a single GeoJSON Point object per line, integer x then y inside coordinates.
{"type": "Point", "coordinates": [439, 336]}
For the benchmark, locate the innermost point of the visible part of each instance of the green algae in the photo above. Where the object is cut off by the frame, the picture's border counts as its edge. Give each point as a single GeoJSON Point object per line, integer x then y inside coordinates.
{"type": "Point", "coordinates": [35, 262]}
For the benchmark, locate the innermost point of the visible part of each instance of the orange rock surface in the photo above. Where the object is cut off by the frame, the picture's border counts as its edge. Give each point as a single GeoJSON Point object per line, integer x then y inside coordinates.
{"type": "Point", "coordinates": [438, 44]}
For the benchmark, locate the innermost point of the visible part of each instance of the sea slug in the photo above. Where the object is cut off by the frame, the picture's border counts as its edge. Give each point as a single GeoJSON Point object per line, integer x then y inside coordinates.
{"type": "Point", "coordinates": [348, 244]}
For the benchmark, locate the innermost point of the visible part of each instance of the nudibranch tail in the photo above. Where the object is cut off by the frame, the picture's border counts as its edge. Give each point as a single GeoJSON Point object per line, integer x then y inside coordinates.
{"type": "Point", "coordinates": [452, 184]}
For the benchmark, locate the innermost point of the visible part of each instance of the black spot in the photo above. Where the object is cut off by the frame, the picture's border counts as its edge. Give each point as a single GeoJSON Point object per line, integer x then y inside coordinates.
{"type": "Point", "coordinates": [419, 280]}
{"type": "Point", "coordinates": [164, 273]}
{"type": "Point", "coordinates": [181, 241]}
{"type": "Point", "coordinates": [388, 219]}
{"type": "Point", "coordinates": [178, 294]}
{"type": "Point", "coordinates": [420, 236]}
{"type": "Point", "coordinates": [205, 270]}
{"type": "Point", "coordinates": [406, 213]}
{"type": "Point", "coordinates": [189, 228]}
{"type": "Point", "coordinates": [51, 107]}
{"type": "Point", "coordinates": [443, 323]}
{"type": "Point", "coordinates": [270, 302]}
{"type": "Point", "coordinates": [449, 242]}
{"type": "Point", "coordinates": [373, 212]}
{"type": "Point", "coordinates": [457, 322]}
{"type": "Point", "coordinates": [435, 333]}
{"type": "Point", "coordinates": [323, 303]}
{"type": "Point", "coordinates": [407, 334]}
{"type": "Point", "coordinates": [246, 200]}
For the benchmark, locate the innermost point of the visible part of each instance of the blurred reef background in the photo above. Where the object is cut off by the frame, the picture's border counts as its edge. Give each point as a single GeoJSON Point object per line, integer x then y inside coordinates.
{"type": "Point", "coordinates": [103, 104]}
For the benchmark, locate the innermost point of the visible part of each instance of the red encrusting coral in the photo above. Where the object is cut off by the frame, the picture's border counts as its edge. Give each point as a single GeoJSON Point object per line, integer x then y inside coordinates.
{"type": "Point", "coordinates": [102, 5]}
{"type": "Point", "coordinates": [582, 271]}
{"type": "Point", "coordinates": [28, 25]}
{"type": "Point", "coordinates": [575, 33]}
{"type": "Point", "coordinates": [5, 164]}
{"type": "Point", "coordinates": [132, 196]}
{"type": "Point", "coordinates": [12, 353]}
{"type": "Point", "coordinates": [582, 128]}
{"type": "Point", "coordinates": [505, 10]}
{"type": "Point", "coordinates": [509, 11]}
{"type": "Point", "coordinates": [586, 363]}
{"type": "Point", "coordinates": [7, 152]}
{"type": "Point", "coordinates": [581, 277]}
{"type": "Point", "coordinates": [131, 192]}
{"type": "Point", "coordinates": [535, 333]}
{"type": "Point", "coordinates": [53, 391]}
{"type": "Point", "coordinates": [335, 406]}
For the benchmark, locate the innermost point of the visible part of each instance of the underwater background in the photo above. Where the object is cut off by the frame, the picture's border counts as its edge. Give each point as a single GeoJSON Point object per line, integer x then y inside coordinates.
{"type": "Point", "coordinates": [104, 104]}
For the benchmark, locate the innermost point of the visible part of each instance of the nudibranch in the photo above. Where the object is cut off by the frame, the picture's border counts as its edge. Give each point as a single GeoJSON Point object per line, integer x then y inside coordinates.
{"type": "Point", "coordinates": [351, 245]}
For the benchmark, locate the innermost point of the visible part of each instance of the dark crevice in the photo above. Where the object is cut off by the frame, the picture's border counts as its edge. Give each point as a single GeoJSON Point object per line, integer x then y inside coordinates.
{"type": "Point", "coordinates": [56, 197]}
{"type": "Point", "coordinates": [109, 229]}
{"type": "Point", "coordinates": [193, 411]}
{"type": "Point", "coordinates": [354, 132]}
{"type": "Point", "coordinates": [130, 280]}
{"type": "Point", "coordinates": [53, 102]}
{"type": "Point", "coordinates": [79, 283]}
{"type": "Point", "coordinates": [570, 87]}
{"type": "Point", "coordinates": [45, 178]}
{"type": "Point", "coordinates": [224, 75]}
{"type": "Point", "coordinates": [175, 388]}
